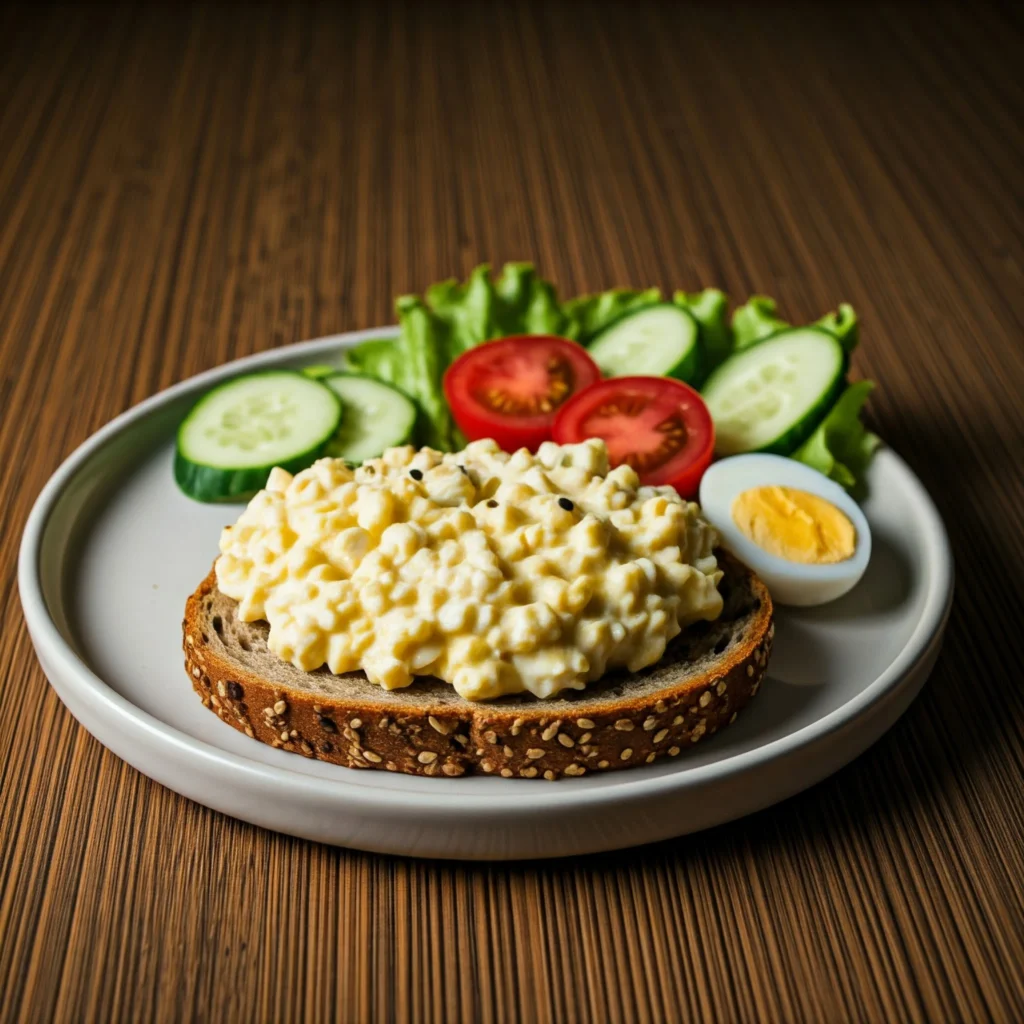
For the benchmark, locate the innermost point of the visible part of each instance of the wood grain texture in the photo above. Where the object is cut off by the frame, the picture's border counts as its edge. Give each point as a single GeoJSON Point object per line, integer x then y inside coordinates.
{"type": "Point", "coordinates": [178, 188]}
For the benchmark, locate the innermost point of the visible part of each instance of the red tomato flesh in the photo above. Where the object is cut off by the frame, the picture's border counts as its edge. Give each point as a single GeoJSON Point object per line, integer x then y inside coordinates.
{"type": "Point", "coordinates": [511, 389]}
{"type": "Point", "coordinates": [659, 426]}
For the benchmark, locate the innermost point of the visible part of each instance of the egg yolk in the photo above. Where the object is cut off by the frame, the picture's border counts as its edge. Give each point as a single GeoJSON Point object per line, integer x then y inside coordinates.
{"type": "Point", "coordinates": [794, 525]}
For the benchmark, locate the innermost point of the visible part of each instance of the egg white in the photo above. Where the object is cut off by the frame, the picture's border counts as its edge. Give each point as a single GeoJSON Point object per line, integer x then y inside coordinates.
{"type": "Point", "coordinates": [791, 583]}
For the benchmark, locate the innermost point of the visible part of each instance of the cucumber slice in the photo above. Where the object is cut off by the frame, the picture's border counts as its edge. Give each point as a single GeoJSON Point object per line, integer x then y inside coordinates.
{"type": "Point", "coordinates": [376, 417]}
{"type": "Point", "coordinates": [771, 396]}
{"type": "Point", "coordinates": [656, 341]}
{"type": "Point", "coordinates": [236, 433]}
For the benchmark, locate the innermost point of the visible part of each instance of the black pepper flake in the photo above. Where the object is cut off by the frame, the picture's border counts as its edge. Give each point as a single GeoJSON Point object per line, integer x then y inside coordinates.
{"type": "Point", "coordinates": [492, 504]}
{"type": "Point", "coordinates": [235, 691]}
{"type": "Point", "coordinates": [327, 724]}
{"type": "Point", "coordinates": [416, 474]}
{"type": "Point", "coordinates": [463, 471]}
{"type": "Point", "coordinates": [566, 504]}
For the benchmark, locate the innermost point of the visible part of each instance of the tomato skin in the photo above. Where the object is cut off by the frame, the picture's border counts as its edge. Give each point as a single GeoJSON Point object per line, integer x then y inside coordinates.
{"type": "Point", "coordinates": [519, 370]}
{"type": "Point", "coordinates": [627, 411]}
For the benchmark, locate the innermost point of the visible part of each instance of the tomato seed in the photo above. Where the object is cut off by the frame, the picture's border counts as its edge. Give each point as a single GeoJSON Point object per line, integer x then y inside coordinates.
{"type": "Point", "coordinates": [559, 385]}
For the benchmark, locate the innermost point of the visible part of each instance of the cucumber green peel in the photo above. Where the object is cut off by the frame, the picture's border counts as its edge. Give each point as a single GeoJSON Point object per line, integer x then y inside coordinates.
{"type": "Point", "coordinates": [452, 317]}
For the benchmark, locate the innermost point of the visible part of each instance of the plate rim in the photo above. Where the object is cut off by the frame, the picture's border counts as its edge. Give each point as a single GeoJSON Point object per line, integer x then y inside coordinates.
{"type": "Point", "coordinates": [90, 687]}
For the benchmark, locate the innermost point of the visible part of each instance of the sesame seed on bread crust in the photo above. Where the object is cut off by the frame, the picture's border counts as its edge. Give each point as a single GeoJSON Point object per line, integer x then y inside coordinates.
{"type": "Point", "coordinates": [707, 675]}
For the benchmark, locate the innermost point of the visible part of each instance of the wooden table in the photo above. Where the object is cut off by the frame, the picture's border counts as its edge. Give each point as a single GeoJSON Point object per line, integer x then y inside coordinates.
{"type": "Point", "coordinates": [177, 189]}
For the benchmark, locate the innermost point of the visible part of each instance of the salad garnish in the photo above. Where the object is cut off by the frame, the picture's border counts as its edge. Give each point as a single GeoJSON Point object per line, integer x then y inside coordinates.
{"type": "Point", "coordinates": [764, 385]}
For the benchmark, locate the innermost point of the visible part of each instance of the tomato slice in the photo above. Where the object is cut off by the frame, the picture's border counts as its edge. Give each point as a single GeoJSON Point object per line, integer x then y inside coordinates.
{"type": "Point", "coordinates": [659, 426]}
{"type": "Point", "coordinates": [511, 389]}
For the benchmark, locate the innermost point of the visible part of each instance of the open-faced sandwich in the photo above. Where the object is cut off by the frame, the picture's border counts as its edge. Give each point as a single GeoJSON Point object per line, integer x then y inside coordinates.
{"type": "Point", "coordinates": [521, 615]}
{"type": "Point", "coordinates": [545, 600]}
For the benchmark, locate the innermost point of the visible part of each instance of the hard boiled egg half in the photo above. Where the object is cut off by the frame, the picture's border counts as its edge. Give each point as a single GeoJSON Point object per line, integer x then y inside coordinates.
{"type": "Point", "coordinates": [799, 531]}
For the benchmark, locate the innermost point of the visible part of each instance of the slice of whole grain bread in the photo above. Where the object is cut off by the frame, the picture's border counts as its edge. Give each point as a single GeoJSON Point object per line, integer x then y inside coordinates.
{"type": "Point", "coordinates": [708, 673]}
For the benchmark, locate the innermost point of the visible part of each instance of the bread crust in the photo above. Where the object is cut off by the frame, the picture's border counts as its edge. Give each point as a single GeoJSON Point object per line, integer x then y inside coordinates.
{"type": "Point", "coordinates": [522, 740]}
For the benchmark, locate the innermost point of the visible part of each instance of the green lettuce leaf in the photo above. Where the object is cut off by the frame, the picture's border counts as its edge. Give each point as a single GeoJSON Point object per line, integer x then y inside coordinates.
{"type": "Point", "coordinates": [466, 312]}
{"type": "Point", "coordinates": [843, 324]}
{"type": "Point", "coordinates": [379, 358]}
{"type": "Point", "coordinates": [527, 304]}
{"type": "Point", "coordinates": [841, 447]}
{"type": "Point", "coordinates": [708, 309]}
{"type": "Point", "coordinates": [518, 302]}
{"type": "Point", "coordinates": [423, 347]}
{"type": "Point", "coordinates": [755, 320]}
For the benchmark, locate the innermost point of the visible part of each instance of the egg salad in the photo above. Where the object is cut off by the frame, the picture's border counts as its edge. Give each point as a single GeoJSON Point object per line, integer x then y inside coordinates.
{"type": "Point", "coordinates": [497, 573]}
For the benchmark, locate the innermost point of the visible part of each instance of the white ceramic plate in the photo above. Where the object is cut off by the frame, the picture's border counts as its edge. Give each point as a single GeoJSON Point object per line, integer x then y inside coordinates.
{"type": "Point", "coordinates": [112, 549]}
